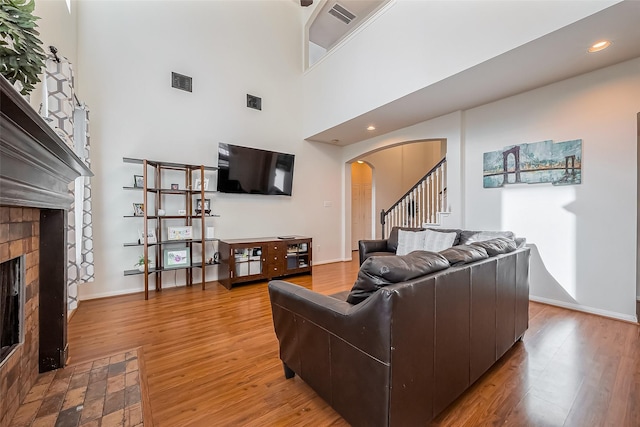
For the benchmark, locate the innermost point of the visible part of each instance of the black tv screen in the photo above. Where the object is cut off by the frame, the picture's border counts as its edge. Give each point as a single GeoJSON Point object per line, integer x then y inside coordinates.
{"type": "Point", "coordinates": [253, 171]}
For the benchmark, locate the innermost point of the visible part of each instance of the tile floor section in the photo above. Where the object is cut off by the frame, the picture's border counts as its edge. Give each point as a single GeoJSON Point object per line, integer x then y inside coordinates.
{"type": "Point", "coordinates": [102, 393]}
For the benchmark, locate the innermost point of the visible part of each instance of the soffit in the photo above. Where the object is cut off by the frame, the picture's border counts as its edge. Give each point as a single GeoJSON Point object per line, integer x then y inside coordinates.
{"type": "Point", "coordinates": [551, 58]}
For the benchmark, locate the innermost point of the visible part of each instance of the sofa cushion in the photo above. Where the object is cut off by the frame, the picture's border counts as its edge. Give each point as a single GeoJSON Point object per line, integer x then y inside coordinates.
{"type": "Point", "coordinates": [435, 241]}
{"type": "Point", "coordinates": [464, 254]}
{"type": "Point", "coordinates": [468, 236]}
{"type": "Point", "coordinates": [392, 240]}
{"type": "Point", "coordinates": [409, 241]}
{"type": "Point", "coordinates": [378, 272]}
{"type": "Point", "coordinates": [497, 246]}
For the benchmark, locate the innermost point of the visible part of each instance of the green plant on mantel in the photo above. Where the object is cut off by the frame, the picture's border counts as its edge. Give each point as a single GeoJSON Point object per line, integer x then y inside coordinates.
{"type": "Point", "coordinates": [21, 54]}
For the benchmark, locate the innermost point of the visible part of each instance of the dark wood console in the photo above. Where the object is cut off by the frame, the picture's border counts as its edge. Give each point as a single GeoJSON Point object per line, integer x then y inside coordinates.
{"type": "Point", "coordinates": [245, 260]}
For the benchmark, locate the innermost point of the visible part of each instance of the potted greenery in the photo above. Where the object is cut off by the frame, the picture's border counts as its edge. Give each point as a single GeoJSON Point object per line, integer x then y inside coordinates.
{"type": "Point", "coordinates": [140, 263]}
{"type": "Point", "coordinates": [21, 54]}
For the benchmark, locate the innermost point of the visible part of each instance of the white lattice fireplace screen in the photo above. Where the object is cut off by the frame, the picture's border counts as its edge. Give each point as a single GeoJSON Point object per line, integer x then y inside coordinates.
{"type": "Point", "coordinates": [70, 119]}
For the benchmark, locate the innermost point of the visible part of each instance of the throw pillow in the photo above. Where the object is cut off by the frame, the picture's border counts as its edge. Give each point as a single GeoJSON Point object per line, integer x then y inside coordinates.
{"type": "Point", "coordinates": [378, 272]}
{"type": "Point", "coordinates": [435, 241]}
{"type": "Point", "coordinates": [392, 240]}
{"type": "Point", "coordinates": [500, 245]}
{"type": "Point", "coordinates": [467, 236]}
{"type": "Point", "coordinates": [449, 230]}
{"type": "Point", "coordinates": [464, 254]}
{"type": "Point", "coordinates": [409, 241]}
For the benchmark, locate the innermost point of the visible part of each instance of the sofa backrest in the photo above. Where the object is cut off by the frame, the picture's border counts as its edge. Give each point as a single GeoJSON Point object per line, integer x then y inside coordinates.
{"type": "Point", "coordinates": [449, 327]}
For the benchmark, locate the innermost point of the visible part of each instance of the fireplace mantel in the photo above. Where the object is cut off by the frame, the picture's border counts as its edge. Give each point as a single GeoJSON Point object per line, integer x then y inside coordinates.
{"type": "Point", "coordinates": [36, 166]}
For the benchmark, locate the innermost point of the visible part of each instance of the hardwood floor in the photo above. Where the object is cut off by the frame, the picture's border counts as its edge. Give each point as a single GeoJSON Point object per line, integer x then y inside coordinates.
{"type": "Point", "coordinates": [211, 358]}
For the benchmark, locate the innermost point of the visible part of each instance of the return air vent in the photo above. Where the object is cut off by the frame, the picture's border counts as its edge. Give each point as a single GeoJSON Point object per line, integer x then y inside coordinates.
{"type": "Point", "coordinates": [341, 13]}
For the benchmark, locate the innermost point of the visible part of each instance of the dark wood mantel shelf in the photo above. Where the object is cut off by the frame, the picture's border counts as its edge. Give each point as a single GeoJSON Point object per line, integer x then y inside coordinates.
{"type": "Point", "coordinates": [36, 166]}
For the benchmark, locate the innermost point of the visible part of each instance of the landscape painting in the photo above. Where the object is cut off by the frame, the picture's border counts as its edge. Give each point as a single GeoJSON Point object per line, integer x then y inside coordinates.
{"type": "Point", "coordinates": [558, 163]}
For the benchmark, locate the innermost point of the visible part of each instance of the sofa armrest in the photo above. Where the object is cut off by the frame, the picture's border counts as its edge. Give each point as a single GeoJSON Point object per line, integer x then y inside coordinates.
{"type": "Point", "coordinates": [366, 325]}
{"type": "Point", "coordinates": [366, 247]}
{"type": "Point", "coordinates": [338, 349]}
{"type": "Point", "coordinates": [312, 305]}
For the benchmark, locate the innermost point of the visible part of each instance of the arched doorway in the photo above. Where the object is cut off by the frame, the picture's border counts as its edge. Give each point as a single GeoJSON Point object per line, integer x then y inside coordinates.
{"type": "Point", "coordinates": [395, 168]}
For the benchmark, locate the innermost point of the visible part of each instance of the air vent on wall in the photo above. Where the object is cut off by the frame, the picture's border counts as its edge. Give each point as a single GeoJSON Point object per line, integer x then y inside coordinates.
{"type": "Point", "coordinates": [341, 13]}
{"type": "Point", "coordinates": [180, 81]}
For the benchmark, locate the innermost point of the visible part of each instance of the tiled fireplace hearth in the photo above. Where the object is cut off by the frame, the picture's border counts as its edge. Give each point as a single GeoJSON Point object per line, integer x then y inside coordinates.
{"type": "Point", "coordinates": [36, 168]}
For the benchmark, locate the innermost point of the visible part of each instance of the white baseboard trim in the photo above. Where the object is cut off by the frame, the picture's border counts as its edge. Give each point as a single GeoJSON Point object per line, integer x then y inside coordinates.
{"type": "Point", "coordinates": [137, 290]}
{"type": "Point", "coordinates": [70, 313]}
{"type": "Point", "coordinates": [585, 309]}
{"type": "Point", "coordinates": [331, 261]}
{"type": "Point", "coordinates": [111, 294]}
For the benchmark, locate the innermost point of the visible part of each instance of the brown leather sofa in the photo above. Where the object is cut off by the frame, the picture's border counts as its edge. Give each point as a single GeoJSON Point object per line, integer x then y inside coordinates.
{"type": "Point", "coordinates": [406, 352]}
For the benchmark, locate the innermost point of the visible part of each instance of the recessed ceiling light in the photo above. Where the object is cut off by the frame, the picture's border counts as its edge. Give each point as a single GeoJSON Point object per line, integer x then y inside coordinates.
{"type": "Point", "coordinates": [371, 128]}
{"type": "Point", "coordinates": [601, 45]}
{"type": "Point", "coordinates": [360, 161]}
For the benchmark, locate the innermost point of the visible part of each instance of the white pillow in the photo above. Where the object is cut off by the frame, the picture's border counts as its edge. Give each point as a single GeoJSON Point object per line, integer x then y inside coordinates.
{"type": "Point", "coordinates": [488, 235]}
{"type": "Point", "coordinates": [437, 241]}
{"type": "Point", "coordinates": [409, 241]}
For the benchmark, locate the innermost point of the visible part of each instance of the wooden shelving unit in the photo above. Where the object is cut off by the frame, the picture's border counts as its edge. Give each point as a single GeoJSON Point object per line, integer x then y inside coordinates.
{"type": "Point", "coordinates": [154, 192]}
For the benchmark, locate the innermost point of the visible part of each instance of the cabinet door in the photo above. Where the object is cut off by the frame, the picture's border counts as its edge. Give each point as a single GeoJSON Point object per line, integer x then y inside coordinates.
{"type": "Point", "coordinates": [247, 262]}
{"type": "Point", "coordinates": [298, 256]}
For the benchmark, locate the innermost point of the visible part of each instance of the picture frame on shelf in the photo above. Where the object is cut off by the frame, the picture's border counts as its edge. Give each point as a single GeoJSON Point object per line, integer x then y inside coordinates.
{"type": "Point", "coordinates": [138, 181]}
{"type": "Point", "coordinates": [177, 258]}
{"type": "Point", "coordinates": [175, 186]}
{"type": "Point", "coordinates": [199, 186]}
{"type": "Point", "coordinates": [138, 209]}
{"type": "Point", "coordinates": [151, 236]}
{"type": "Point", "coordinates": [180, 233]}
{"type": "Point", "coordinates": [200, 206]}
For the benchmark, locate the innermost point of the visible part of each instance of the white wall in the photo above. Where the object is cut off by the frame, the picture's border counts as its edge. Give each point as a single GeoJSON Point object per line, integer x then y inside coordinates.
{"type": "Point", "coordinates": [414, 44]}
{"type": "Point", "coordinates": [57, 27]}
{"type": "Point", "coordinates": [583, 237]}
{"type": "Point", "coordinates": [128, 51]}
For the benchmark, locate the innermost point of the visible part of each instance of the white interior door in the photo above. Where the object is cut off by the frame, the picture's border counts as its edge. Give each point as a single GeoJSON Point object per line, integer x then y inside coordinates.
{"type": "Point", "coordinates": [357, 215]}
{"type": "Point", "coordinates": [360, 213]}
{"type": "Point", "coordinates": [367, 232]}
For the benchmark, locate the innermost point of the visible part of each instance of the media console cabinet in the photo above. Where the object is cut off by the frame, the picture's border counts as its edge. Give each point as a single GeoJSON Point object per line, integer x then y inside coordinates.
{"type": "Point", "coordinates": [245, 260]}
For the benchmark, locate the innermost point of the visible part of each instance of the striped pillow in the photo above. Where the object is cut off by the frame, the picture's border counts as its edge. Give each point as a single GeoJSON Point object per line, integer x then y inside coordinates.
{"type": "Point", "coordinates": [409, 241]}
{"type": "Point", "coordinates": [436, 241]}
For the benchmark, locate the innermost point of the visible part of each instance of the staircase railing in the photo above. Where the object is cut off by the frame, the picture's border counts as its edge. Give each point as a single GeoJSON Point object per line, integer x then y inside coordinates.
{"type": "Point", "coordinates": [421, 203]}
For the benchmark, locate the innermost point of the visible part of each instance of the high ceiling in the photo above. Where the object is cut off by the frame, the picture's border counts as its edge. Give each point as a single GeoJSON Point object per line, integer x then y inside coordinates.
{"type": "Point", "coordinates": [327, 29]}
{"type": "Point", "coordinates": [551, 58]}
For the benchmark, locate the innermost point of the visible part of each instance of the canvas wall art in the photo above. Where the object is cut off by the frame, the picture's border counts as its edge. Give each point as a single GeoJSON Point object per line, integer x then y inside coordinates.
{"type": "Point", "coordinates": [558, 163]}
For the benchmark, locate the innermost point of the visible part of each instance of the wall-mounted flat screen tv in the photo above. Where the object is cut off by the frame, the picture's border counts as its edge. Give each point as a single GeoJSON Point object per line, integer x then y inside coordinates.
{"type": "Point", "coordinates": [254, 171]}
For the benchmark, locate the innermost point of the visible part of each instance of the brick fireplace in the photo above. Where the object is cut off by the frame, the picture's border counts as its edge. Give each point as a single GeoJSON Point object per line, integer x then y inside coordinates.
{"type": "Point", "coordinates": [36, 168]}
{"type": "Point", "coordinates": [19, 234]}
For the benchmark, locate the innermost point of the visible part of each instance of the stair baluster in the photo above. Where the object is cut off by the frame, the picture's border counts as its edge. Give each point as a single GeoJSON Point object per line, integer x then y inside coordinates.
{"type": "Point", "coordinates": [421, 204]}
